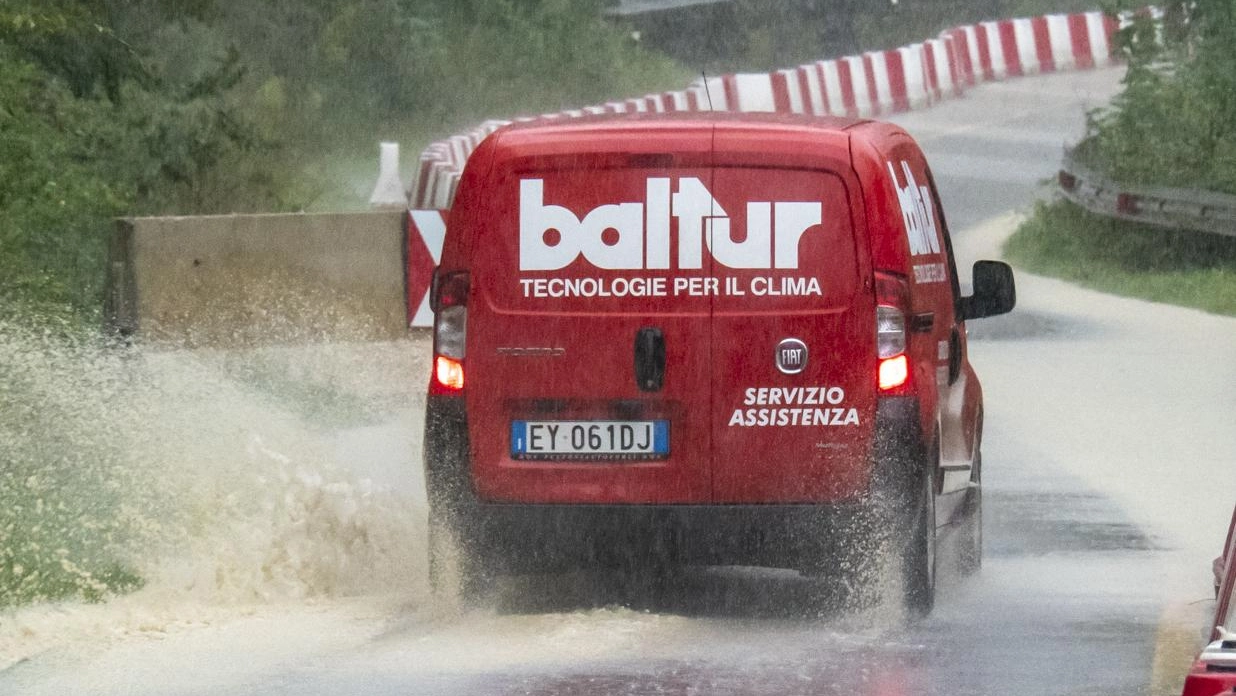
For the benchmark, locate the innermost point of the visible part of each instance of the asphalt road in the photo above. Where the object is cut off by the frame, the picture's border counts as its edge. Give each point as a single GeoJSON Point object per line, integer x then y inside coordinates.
{"type": "Point", "coordinates": [1108, 476]}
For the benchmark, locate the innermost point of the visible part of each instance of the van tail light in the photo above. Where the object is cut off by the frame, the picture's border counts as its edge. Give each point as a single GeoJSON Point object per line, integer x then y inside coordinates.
{"type": "Point", "coordinates": [449, 301]}
{"type": "Point", "coordinates": [894, 372]}
{"type": "Point", "coordinates": [890, 331]}
{"type": "Point", "coordinates": [892, 305]}
{"type": "Point", "coordinates": [448, 373]}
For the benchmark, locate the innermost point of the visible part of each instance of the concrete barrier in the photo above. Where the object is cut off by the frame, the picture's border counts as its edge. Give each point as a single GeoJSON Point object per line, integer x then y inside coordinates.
{"type": "Point", "coordinates": [233, 280]}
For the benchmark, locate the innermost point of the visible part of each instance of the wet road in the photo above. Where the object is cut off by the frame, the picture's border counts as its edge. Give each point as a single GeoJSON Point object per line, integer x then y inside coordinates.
{"type": "Point", "coordinates": [1107, 476]}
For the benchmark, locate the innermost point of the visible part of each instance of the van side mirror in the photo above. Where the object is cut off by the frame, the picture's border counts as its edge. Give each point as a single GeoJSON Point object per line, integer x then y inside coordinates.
{"type": "Point", "coordinates": [994, 291]}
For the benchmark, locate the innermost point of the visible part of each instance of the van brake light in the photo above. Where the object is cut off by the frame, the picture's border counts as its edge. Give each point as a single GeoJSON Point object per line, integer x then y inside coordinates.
{"type": "Point", "coordinates": [892, 305]}
{"type": "Point", "coordinates": [894, 372]}
{"type": "Point", "coordinates": [449, 300]}
{"type": "Point", "coordinates": [448, 372]}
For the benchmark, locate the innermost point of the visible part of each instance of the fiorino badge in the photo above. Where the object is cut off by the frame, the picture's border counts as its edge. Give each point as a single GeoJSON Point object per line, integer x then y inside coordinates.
{"type": "Point", "coordinates": [791, 356]}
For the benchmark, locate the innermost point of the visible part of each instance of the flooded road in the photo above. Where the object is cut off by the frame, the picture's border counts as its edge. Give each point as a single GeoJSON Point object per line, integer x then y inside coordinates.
{"type": "Point", "coordinates": [1108, 482]}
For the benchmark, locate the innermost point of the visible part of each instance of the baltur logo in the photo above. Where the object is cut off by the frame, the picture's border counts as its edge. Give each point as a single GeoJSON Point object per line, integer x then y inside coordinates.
{"type": "Point", "coordinates": [918, 212]}
{"type": "Point", "coordinates": [636, 235]}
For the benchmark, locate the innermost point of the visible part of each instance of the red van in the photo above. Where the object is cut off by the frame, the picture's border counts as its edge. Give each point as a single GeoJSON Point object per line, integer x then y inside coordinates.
{"type": "Point", "coordinates": [720, 339]}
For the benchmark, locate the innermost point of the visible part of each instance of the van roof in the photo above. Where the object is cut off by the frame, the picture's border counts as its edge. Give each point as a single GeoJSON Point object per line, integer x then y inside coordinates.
{"type": "Point", "coordinates": [751, 137]}
{"type": "Point", "coordinates": [681, 120]}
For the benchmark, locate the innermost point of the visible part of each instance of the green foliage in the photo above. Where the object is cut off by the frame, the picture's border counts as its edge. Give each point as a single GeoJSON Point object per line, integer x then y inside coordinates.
{"type": "Point", "coordinates": [56, 196]}
{"type": "Point", "coordinates": [1175, 122]}
{"type": "Point", "coordinates": [1184, 268]}
{"type": "Point", "coordinates": [512, 57]}
{"type": "Point", "coordinates": [92, 128]}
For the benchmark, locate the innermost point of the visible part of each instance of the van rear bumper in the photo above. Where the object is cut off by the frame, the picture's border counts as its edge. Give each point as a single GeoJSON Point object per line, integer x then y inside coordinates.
{"type": "Point", "coordinates": [519, 536]}
{"type": "Point", "coordinates": [525, 537]}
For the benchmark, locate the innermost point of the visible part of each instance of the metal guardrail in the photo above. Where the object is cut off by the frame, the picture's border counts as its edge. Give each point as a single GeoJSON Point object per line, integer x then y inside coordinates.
{"type": "Point", "coordinates": [1179, 209]}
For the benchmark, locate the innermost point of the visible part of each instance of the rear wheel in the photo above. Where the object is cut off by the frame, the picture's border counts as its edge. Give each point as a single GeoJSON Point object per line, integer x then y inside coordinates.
{"type": "Point", "coordinates": [918, 558]}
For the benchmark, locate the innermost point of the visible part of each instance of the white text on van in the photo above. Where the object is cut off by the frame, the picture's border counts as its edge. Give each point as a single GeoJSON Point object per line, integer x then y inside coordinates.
{"type": "Point", "coordinates": [917, 213]}
{"type": "Point", "coordinates": [634, 235]}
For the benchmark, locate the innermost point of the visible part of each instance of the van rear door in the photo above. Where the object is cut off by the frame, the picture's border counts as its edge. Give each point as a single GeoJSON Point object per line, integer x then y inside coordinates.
{"type": "Point", "coordinates": [793, 338]}
{"type": "Point", "coordinates": [591, 364]}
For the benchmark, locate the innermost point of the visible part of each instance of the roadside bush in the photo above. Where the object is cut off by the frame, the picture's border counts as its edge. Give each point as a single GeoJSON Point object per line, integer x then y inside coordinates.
{"type": "Point", "coordinates": [56, 199]}
{"type": "Point", "coordinates": [1175, 122]}
{"type": "Point", "coordinates": [510, 58]}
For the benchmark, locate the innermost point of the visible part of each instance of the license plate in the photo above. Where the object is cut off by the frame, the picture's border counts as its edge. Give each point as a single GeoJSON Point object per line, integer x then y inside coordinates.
{"type": "Point", "coordinates": [590, 440]}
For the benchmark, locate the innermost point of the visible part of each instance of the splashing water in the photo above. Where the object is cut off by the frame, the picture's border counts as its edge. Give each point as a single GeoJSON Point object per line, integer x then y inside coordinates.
{"type": "Point", "coordinates": [206, 478]}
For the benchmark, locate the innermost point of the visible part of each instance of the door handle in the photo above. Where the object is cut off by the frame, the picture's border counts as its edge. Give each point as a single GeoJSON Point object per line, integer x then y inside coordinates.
{"type": "Point", "coordinates": [649, 359]}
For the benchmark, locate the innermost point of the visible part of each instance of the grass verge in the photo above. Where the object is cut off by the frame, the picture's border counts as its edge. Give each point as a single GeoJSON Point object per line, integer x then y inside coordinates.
{"type": "Point", "coordinates": [1190, 269]}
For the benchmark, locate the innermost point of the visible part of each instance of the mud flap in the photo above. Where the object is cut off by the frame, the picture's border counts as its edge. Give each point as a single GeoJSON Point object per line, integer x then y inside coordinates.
{"type": "Point", "coordinates": [459, 571]}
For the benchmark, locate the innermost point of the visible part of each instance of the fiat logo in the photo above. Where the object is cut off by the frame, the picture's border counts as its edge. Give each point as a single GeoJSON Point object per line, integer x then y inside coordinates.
{"type": "Point", "coordinates": [791, 356]}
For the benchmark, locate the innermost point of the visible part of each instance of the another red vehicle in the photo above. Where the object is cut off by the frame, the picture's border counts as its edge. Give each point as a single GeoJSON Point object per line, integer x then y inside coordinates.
{"type": "Point", "coordinates": [1214, 672]}
{"type": "Point", "coordinates": [703, 338]}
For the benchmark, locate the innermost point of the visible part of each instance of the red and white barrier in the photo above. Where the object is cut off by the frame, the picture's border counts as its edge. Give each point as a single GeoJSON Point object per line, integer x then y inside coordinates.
{"type": "Point", "coordinates": [941, 69]}
{"type": "Point", "coordinates": [838, 87]}
{"type": "Point", "coordinates": [879, 82]}
{"type": "Point", "coordinates": [1015, 47]}
{"type": "Point", "coordinates": [426, 232]}
{"type": "Point", "coordinates": [871, 84]}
